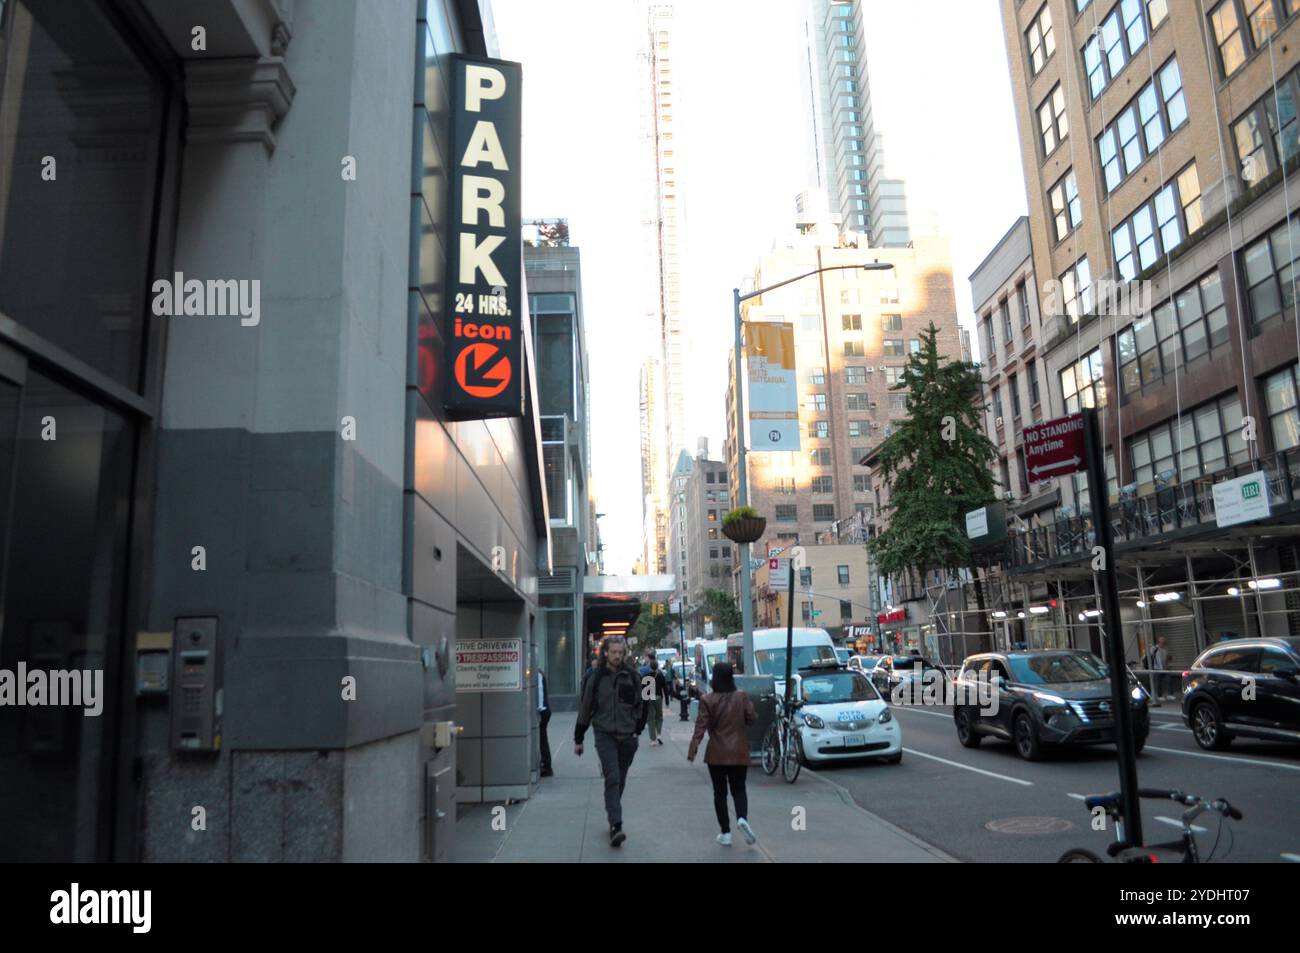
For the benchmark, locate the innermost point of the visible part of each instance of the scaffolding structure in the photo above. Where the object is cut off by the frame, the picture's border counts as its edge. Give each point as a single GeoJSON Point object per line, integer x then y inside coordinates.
{"type": "Point", "coordinates": [1238, 583]}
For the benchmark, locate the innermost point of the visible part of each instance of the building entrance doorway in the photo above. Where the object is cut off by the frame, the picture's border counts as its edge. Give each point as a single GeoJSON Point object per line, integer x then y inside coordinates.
{"type": "Point", "coordinates": [65, 474]}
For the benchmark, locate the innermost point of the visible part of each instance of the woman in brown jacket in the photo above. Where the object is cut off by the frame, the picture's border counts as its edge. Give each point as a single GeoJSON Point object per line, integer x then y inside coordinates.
{"type": "Point", "coordinates": [724, 713]}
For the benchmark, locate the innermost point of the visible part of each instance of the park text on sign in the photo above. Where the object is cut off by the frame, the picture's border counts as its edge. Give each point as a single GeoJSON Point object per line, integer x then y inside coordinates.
{"type": "Point", "coordinates": [1055, 448]}
{"type": "Point", "coordinates": [484, 347]}
{"type": "Point", "coordinates": [489, 665]}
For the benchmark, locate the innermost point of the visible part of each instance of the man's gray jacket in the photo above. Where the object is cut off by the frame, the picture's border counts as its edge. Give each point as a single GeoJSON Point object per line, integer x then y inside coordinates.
{"type": "Point", "coordinates": [612, 703]}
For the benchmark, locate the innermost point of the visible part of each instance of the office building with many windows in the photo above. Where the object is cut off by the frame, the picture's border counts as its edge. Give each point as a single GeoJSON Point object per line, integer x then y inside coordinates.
{"type": "Point", "coordinates": [853, 333]}
{"type": "Point", "coordinates": [700, 553]}
{"type": "Point", "coordinates": [1159, 146]}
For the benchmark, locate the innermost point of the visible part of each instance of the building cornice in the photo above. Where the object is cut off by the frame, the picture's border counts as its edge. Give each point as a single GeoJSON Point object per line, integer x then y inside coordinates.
{"type": "Point", "coordinates": [237, 100]}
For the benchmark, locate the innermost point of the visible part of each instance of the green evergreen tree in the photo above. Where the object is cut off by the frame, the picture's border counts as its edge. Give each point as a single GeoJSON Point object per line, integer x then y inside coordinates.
{"type": "Point", "coordinates": [937, 463]}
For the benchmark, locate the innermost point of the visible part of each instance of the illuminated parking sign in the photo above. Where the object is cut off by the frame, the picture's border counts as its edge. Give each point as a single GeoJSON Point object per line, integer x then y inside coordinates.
{"type": "Point", "coordinates": [484, 353]}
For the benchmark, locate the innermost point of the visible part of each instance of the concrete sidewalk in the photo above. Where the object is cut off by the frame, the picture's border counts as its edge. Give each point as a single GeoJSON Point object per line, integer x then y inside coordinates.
{"type": "Point", "coordinates": [668, 815]}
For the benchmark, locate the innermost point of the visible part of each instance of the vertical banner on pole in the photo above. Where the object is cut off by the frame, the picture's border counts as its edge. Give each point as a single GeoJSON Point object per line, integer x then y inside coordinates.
{"type": "Point", "coordinates": [773, 386]}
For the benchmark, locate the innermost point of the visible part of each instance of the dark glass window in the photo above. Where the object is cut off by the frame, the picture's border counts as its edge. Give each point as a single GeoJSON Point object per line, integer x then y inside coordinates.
{"type": "Point", "coordinates": [66, 537]}
{"type": "Point", "coordinates": [75, 248]}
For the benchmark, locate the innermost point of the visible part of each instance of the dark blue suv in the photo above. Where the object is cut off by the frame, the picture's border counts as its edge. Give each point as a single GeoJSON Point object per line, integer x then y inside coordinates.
{"type": "Point", "coordinates": [1042, 697]}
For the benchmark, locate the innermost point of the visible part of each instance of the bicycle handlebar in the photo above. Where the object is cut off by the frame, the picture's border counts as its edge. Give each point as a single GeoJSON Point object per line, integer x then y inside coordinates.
{"type": "Point", "coordinates": [1227, 809]}
{"type": "Point", "coordinates": [1161, 794]}
{"type": "Point", "coordinates": [1190, 800]}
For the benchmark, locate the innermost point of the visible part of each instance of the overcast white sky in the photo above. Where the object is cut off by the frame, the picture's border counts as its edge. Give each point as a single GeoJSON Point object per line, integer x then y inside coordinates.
{"type": "Point", "coordinates": [942, 98]}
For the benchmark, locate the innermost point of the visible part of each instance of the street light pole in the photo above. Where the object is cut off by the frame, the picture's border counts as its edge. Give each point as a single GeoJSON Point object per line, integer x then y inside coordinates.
{"type": "Point", "coordinates": [746, 610]}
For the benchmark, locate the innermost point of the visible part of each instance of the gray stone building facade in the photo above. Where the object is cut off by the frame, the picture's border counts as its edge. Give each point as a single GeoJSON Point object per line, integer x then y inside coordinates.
{"type": "Point", "coordinates": [276, 496]}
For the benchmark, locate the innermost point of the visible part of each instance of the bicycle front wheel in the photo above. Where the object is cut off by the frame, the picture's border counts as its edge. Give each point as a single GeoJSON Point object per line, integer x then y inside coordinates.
{"type": "Point", "coordinates": [1080, 856]}
{"type": "Point", "coordinates": [793, 759]}
{"type": "Point", "coordinates": [771, 751]}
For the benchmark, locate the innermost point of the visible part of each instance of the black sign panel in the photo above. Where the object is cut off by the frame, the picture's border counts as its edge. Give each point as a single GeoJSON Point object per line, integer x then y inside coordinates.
{"type": "Point", "coordinates": [484, 353]}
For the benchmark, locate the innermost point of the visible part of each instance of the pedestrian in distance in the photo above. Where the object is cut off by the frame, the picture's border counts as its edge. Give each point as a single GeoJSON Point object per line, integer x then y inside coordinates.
{"type": "Point", "coordinates": [683, 688]}
{"type": "Point", "coordinates": [543, 719]}
{"type": "Point", "coordinates": [1160, 662]}
{"type": "Point", "coordinates": [723, 715]}
{"type": "Point", "coordinates": [613, 706]}
{"type": "Point", "coordinates": [655, 706]}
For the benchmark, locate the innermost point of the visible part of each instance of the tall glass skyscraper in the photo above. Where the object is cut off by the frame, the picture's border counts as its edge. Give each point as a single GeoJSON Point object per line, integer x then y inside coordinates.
{"type": "Point", "coordinates": [846, 151]}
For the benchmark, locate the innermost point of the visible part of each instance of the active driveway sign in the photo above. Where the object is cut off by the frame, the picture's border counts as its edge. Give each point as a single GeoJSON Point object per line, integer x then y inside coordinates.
{"type": "Point", "coordinates": [1055, 448]}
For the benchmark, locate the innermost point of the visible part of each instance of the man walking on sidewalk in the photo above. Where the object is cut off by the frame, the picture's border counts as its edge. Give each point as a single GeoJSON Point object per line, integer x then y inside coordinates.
{"type": "Point", "coordinates": [612, 704]}
{"type": "Point", "coordinates": [655, 706]}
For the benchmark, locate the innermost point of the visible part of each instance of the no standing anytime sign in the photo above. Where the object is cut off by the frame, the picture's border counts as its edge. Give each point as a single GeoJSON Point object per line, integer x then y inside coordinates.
{"type": "Point", "coordinates": [1055, 448]}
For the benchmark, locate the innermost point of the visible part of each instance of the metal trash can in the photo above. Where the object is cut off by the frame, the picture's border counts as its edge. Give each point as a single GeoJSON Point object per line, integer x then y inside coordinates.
{"type": "Point", "coordinates": [761, 690]}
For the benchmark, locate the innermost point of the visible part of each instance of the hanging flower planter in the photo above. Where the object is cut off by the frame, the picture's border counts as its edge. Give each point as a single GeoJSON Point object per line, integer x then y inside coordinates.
{"type": "Point", "coordinates": [743, 525]}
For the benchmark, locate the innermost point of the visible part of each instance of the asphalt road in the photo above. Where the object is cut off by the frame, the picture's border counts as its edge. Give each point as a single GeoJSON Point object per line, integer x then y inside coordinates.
{"type": "Point", "coordinates": [946, 794]}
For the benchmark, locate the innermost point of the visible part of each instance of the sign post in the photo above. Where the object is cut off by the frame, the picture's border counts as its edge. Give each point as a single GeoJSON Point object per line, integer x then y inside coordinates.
{"type": "Point", "coordinates": [1110, 620]}
{"type": "Point", "coordinates": [789, 634]}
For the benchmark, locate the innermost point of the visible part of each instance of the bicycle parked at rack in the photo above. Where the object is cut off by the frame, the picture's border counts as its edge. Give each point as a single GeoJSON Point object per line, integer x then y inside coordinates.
{"type": "Point", "coordinates": [783, 747]}
{"type": "Point", "coordinates": [1126, 853]}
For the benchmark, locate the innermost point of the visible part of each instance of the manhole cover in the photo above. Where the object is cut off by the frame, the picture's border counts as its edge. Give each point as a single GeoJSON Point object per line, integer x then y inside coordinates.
{"type": "Point", "coordinates": [1029, 825]}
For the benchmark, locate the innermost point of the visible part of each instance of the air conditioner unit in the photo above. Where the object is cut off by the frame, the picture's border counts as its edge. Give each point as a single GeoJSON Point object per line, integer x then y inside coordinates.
{"type": "Point", "coordinates": [882, 368]}
{"type": "Point", "coordinates": [999, 422]}
{"type": "Point", "coordinates": [870, 369]}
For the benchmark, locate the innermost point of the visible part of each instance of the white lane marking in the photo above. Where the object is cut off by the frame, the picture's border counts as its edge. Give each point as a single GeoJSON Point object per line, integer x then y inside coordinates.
{"type": "Point", "coordinates": [1173, 823]}
{"type": "Point", "coordinates": [1294, 858]}
{"type": "Point", "coordinates": [1170, 726]}
{"type": "Point", "coordinates": [922, 711]}
{"type": "Point", "coordinates": [1228, 758]}
{"type": "Point", "coordinates": [1077, 797]}
{"type": "Point", "coordinates": [958, 764]}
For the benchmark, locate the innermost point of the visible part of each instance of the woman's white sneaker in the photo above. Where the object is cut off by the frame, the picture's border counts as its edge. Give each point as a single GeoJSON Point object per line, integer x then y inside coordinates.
{"type": "Point", "coordinates": [750, 836]}
{"type": "Point", "coordinates": [724, 840]}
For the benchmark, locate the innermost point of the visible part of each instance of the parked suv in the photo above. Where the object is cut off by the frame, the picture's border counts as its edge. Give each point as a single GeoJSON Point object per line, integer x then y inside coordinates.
{"type": "Point", "coordinates": [1046, 696]}
{"type": "Point", "coordinates": [1244, 687]}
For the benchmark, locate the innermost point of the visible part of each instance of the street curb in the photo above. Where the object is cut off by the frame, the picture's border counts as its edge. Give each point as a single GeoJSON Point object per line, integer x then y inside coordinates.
{"type": "Point", "coordinates": [847, 798]}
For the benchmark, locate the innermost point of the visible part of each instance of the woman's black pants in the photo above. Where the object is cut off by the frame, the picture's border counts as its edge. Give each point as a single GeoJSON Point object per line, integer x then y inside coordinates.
{"type": "Point", "coordinates": [734, 775]}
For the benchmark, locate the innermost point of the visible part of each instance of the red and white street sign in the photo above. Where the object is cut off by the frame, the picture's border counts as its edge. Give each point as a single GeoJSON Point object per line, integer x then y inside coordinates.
{"type": "Point", "coordinates": [1055, 448]}
{"type": "Point", "coordinates": [778, 574]}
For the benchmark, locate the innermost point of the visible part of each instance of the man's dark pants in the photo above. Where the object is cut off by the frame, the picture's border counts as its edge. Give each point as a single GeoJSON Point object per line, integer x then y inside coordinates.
{"type": "Point", "coordinates": [542, 719]}
{"type": "Point", "coordinates": [615, 753]}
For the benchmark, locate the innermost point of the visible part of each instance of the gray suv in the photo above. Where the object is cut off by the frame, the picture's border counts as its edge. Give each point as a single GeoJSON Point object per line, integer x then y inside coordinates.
{"type": "Point", "coordinates": [1043, 697]}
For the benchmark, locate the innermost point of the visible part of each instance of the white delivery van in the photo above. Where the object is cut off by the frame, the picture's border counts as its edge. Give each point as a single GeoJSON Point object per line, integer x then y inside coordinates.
{"type": "Point", "coordinates": [811, 646]}
{"type": "Point", "coordinates": [708, 653]}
